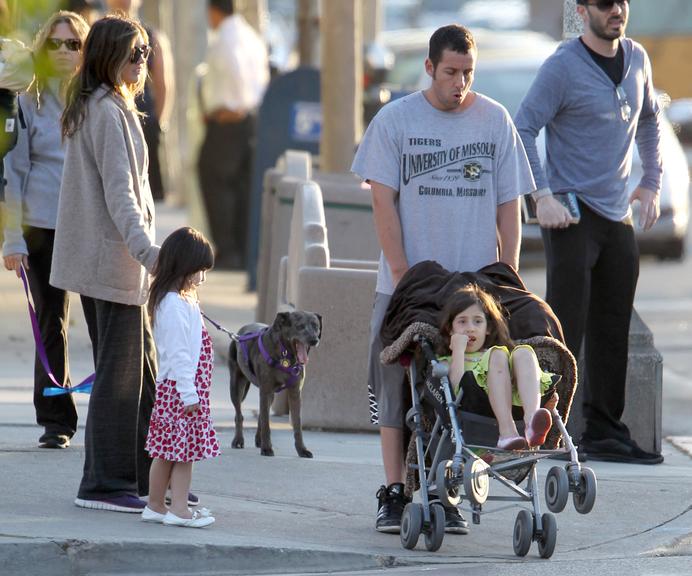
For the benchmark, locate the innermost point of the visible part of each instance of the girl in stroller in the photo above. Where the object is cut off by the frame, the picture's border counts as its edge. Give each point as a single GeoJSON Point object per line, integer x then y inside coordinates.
{"type": "Point", "coordinates": [475, 338]}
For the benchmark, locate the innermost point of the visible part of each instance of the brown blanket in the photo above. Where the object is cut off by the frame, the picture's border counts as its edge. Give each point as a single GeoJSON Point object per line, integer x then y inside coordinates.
{"type": "Point", "coordinates": [425, 288]}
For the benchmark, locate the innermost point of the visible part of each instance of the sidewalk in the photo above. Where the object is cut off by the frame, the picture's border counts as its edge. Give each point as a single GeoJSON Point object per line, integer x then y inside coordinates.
{"type": "Point", "coordinates": [286, 514]}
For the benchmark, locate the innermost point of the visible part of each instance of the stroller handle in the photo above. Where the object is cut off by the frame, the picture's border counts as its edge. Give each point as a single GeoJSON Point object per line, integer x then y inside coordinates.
{"type": "Point", "coordinates": [425, 346]}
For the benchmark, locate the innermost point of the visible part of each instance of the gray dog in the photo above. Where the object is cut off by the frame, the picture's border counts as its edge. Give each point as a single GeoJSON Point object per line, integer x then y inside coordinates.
{"type": "Point", "coordinates": [273, 358]}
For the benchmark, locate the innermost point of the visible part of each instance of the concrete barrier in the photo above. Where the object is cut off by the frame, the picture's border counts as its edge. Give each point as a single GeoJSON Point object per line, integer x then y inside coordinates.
{"type": "Point", "coordinates": [335, 390]}
{"type": "Point", "coordinates": [293, 167]}
{"type": "Point", "coordinates": [644, 398]}
{"type": "Point", "coordinates": [348, 217]}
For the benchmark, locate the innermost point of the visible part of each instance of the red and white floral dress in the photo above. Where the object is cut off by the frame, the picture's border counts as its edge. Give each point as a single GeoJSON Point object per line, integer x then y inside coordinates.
{"type": "Point", "coordinates": [175, 436]}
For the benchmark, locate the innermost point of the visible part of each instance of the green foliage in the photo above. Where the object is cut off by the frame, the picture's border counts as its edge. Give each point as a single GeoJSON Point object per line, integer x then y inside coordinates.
{"type": "Point", "coordinates": [31, 14]}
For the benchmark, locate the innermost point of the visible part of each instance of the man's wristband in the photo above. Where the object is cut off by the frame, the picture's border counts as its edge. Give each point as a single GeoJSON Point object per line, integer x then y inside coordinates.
{"type": "Point", "coordinates": [542, 193]}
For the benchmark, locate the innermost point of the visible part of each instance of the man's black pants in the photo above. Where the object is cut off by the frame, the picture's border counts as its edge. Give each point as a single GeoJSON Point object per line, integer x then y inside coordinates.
{"type": "Point", "coordinates": [225, 176]}
{"type": "Point", "coordinates": [592, 272]}
{"type": "Point", "coordinates": [120, 406]}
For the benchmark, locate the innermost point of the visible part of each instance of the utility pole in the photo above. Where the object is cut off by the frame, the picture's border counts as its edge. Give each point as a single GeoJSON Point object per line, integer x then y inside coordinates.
{"type": "Point", "coordinates": [571, 23]}
{"type": "Point", "coordinates": [341, 83]}
{"type": "Point", "coordinates": [255, 12]}
{"type": "Point", "coordinates": [372, 20]}
{"type": "Point", "coordinates": [308, 32]}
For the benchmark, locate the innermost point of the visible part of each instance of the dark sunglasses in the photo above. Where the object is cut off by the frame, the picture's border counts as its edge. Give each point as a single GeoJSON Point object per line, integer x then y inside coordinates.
{"type": "Point", "coordinates": [625, 108]}
{"type": "Point", "coordinates": [140, 52]}
{"type": "Point", "coordinates": [71, 44]}
{"type": "Point", "coordinates": [607, 5]}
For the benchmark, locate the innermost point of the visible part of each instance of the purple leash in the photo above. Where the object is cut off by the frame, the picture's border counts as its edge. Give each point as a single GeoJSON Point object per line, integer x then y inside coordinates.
{"type": "Point", "coordinates": [85, 386]}
{"type": "Point", "coordinates": [293, 369]}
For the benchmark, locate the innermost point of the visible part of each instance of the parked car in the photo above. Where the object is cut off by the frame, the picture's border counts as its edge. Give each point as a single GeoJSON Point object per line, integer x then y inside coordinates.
{"type": "Point", "coordinates": [507, 64]}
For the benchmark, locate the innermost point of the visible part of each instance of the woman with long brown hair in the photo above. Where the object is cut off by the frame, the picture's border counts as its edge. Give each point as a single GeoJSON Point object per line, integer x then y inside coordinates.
{"type": "Point", "coordinates": [33, 171]}
{"type": "Point", "coordinates": [104, 250]}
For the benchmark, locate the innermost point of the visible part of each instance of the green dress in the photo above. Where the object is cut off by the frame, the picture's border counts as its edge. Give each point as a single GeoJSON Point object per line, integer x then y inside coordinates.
{"type": "Point", "coordinates": [477, 362]}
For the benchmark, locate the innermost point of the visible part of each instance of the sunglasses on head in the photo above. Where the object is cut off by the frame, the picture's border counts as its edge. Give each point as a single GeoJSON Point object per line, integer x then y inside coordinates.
{"type": "Point", "coordinates": [71, 44]}
{"type": "Point", "coordinates": [140, 52]}
{"type": "Point", "coordinates": [607, 5]}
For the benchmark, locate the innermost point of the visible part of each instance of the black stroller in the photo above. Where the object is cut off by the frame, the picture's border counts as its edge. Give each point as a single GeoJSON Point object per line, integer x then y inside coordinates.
{"type": "Point", "coordinates": [452, 452]}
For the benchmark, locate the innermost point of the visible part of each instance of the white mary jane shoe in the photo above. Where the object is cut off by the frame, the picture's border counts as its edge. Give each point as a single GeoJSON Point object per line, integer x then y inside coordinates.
{"type": "Point", "coordinates": [200, 519]}
{"type": "Point", "coordinates": [149, 515]}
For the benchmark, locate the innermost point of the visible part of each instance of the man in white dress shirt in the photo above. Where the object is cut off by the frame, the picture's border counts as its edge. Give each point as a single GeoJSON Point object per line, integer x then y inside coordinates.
{"type": "Point", "coordinates": [237, 74]}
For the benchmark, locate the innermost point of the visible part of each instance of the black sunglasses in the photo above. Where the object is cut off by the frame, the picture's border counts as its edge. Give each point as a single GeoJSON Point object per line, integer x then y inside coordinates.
{"type": "Point", "coordinates": [607, 5]}
{"type": "Point", "coordinates": [140, 52]}
{"type": "Point", "coordinates": [625, 108]}
{"type": "Point", "coordinates": [71, 44]}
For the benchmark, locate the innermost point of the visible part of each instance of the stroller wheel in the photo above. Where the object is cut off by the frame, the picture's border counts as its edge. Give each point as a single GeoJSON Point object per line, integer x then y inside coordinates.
{"type": "Point", "coordinates": [411, 525]}
{"type": "Point", "coordinates": [523, 533]}
{"type": "Point", "coordinates": [436, 533]}
{"type": "Point", "coordinates": [449, 496]}
{"type": "Point", "coordinates": [584, 496]}
{"type": "Point", "coordinates": [548, 537]}
{"type": "Point", "coordinates": [556, 489]}
{"type": "Point", "coordinates": [476, 481]}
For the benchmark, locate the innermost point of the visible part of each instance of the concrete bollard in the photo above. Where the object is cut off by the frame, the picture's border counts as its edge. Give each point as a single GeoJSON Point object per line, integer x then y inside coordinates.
{"type": "Point", "coordinates": [335, 390]}
{"type": "Point", "coordinates": [644, 393]}
{"type": "Point", "coordinates": [297, 165]}
{"type": "Point", "coordinates": [348, 215]}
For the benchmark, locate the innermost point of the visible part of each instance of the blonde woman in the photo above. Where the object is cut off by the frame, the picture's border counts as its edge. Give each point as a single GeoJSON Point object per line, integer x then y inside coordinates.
{"type": "Point", "coordinates": [33, 170]}
{"type": "Point", "coordinates": [104, 250]}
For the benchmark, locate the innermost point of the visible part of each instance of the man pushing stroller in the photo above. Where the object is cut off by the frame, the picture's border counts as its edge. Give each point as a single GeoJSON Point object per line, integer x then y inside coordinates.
{"type": "Point", "coordinates": [446, 168]}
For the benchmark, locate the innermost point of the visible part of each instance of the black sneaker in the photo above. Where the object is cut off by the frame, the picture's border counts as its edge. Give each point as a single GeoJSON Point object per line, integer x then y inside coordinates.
{"type": "Point", "coordinates": [454, 522]}
{"type": "Point", "coordinates": [613, 450]}
{"type": "Point", "coordinates": [54, 441]}
{"type": "Point", "coordinates": [390, 506]}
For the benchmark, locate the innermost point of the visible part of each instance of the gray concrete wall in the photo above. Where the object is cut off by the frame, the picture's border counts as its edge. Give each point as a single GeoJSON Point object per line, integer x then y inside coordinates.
{"type": "Point", "coordinates": [335, 390]}
{"type": "Point", "coordinates": [348, 216]}
{"type": "Point", "coordinates": [335, 394]}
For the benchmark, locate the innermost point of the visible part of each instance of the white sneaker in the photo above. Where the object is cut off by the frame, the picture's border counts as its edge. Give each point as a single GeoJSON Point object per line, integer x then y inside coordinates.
{"type": "Point", "coordinates": [149, 515]}
{"type": "Point", "coordinates": [200, 519]}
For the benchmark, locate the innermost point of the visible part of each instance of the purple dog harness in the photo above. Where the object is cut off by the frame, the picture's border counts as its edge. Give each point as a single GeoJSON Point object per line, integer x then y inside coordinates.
{"type": "Point", "coordinates": [293, 369]}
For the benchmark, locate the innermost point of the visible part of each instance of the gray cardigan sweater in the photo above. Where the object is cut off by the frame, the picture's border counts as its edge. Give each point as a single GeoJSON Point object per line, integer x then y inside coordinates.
{"type": "Point", "coordinates": [104, 237]}
{"type": "Point", "coordinates": [589, 145]}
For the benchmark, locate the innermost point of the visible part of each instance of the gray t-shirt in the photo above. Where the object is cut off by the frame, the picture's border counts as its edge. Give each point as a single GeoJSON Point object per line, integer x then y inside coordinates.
{"type": "Point", "coordinates": [452, 170]}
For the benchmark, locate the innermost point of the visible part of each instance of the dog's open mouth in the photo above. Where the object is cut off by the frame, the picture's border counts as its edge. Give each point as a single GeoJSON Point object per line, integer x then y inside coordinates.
{"type": "Point", "coordinates": [301, 351]}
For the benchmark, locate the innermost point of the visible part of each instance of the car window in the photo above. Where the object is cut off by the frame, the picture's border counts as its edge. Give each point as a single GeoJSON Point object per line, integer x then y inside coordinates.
{"type": "Point", "coordinates": [407, 69]}
{"type": "Point", "coordinates": [507, 86]}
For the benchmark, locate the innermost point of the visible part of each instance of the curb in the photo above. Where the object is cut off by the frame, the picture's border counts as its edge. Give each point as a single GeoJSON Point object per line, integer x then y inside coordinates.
{"type": "Point", "coordinates": [82, 558]}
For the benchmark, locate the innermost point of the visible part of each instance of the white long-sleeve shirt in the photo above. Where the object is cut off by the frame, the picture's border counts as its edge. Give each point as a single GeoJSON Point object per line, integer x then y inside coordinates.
{"type": "Point", "coordinates": [238, 67]}
{"type": "Point", "coordinates": [178, 336]}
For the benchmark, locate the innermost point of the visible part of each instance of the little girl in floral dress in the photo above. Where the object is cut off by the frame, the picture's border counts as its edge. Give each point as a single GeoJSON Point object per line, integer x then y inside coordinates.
{"type": "Point", "coordinates": [181, 430]}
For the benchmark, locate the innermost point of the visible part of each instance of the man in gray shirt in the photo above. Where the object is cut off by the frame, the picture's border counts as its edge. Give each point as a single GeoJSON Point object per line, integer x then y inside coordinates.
{"type": "Point", "coordinates": [595, 97]}
{"type": "Point", "coordinates": [446, 167]}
